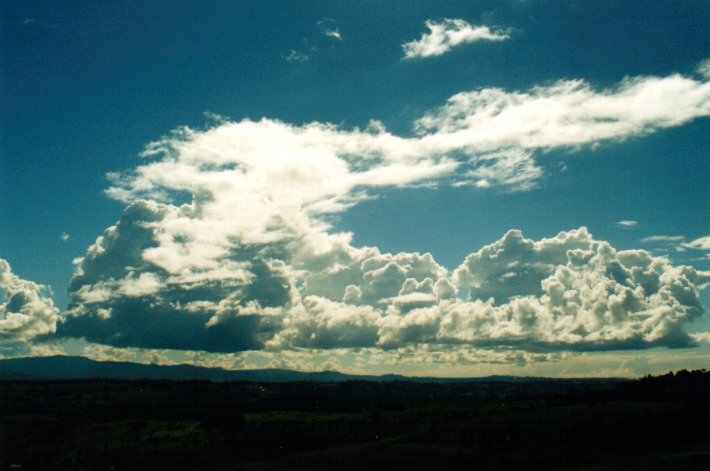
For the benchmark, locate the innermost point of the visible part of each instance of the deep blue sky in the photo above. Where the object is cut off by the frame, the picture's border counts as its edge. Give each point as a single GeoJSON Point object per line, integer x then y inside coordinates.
{"type": "Point", "coordinates": [84, 86]}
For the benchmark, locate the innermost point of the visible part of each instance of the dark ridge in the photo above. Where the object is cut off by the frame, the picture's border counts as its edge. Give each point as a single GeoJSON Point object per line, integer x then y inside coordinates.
{"type": "Point", "coordinates": [72, 367]}
{"type": "Point", "coordinates": [660, 423]}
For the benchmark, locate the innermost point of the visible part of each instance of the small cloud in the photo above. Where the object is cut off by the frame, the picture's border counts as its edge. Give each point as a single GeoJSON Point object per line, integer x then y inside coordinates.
{"type": "Point", "coordinates": [316, 43]}
{"type": "Point", "coordinates": [447, 34]}
{"type": "Point", "coordinates": [662, 239]}
{"type": "Point", "coordinates": [703, 243]}
{"type": "Point", "coordinates": [334, 33]}
{"type": "Point", "coordinates": [329, 28]}
{"type": "Point", "coordinates": [295, 56]}
{"type": "Point", "coordinates": [701, 337]}
{"type": "Point", "coordinates": [626, 224]}
{"type": "Point", "coordinates": [64, 237]}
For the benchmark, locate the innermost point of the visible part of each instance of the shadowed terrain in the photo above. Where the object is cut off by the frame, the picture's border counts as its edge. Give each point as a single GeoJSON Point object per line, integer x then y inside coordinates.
{"type": "Point", "coordinates": [604, 424]}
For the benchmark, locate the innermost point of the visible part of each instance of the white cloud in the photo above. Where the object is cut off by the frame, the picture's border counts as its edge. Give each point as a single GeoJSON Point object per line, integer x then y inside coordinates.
{"type": "Point", "coordinates": [626, 224]}
{"type": "Point", "coordinates": [569, 292]}
{"type": "Point", "coordinates": [514, 169]}
{"type": "Point", "coordinates": [26, 310]}
{"type": "Point", "coordinates": [569, 113]}
{"type": "Point", "coordinates": [662, 239]}
{"type": "Point", "coordinates": [447, 34]}
{"type": "Point", "coordinates": [321, 323]}
{"type": "Point", "coordinates": [515, 266]}
{"type": "Point", "coordinates": [329, 28]}
{"type": "Point", "coordinates": [251, 260]}
{"type": "Point", "coordinates": [702, 243]}
{"type": "Point", "coordinates": [489, 135]}
{"type": "Point", "coordinates": [64, 237]}
{"type": "Point", "coordinates": [701, 337]}
{"type": "Point", "coordinates": [333, 33]}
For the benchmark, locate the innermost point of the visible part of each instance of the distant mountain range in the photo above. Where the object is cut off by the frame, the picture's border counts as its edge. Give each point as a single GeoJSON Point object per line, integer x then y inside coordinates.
{"type": "Point", "coordinates": [71, 367]}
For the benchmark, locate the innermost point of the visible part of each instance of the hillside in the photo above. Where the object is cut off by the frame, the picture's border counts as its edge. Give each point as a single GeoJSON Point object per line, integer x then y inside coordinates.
{"type": "Point", "coordinates": [660, 423]}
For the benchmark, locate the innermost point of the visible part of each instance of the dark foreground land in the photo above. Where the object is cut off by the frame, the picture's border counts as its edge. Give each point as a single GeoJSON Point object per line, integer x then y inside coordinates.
{"type": "Point", "coordinates": [659, 423]}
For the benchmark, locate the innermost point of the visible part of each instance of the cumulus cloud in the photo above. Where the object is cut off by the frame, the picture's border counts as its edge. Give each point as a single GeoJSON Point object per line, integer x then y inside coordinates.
{"type": "Point", "coordinates": [570, 292]}
{"type": "Point", "coordinates": [574, 290]}
{"type": "Point", "coordinates": [516, 266]}
{"type": "Point", "coordinates": [226, 242]}
{"type": "Point", "coordinates": [26, 310]}
{"type": "Point", "coordinates": [140, 286]}
{"type": "Point", "coordinates": [447, 34]}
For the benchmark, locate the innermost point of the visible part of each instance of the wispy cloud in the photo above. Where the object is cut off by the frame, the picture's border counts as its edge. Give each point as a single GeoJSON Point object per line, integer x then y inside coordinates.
{"type": "Point", "coordinates": [295, 56]}
{"type": "Point", "coordinates": [489, 134]}
{"type": "Point", "coordinates": [626, 224]}
{"type": "Point", "coordinates": [447, 34]}
{"type": "Point", "coordinates": [663, 239]}
{"type": "Point", "coordinates": [704, 69]}
{"type": "Point", "coordinates": [64, 237]}
{"type": "Point", "coordinates": [329, 28]}
{"type": "Point", "coordinates": [315, 44]}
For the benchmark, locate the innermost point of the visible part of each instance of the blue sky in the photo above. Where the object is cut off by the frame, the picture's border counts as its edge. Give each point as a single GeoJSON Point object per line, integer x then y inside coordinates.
{"type": "Point", "coordinates": [417, 127]}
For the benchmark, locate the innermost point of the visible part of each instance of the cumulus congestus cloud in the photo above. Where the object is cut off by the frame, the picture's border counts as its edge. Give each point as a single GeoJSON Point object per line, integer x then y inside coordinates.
{"type": "Point", "coordinates": [141, 287]}
{"type": "Point", "coordinates": [226, 242]}
{"type": "Point", "coordinates": [568, 292]}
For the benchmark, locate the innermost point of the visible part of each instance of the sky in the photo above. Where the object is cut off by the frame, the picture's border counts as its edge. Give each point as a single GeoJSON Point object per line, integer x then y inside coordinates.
{"type": "Point", "coordinates": [424, 188]}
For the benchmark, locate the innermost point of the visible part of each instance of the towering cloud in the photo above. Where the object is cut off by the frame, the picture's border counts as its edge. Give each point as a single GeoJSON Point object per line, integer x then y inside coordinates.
{"type": "Point", "coordinates": [568, 292]}
{"type": "Point", "coordinates": [226, 243]}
